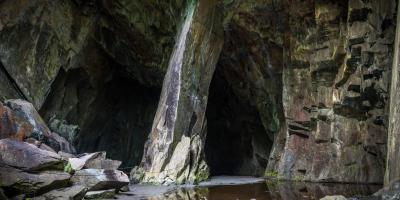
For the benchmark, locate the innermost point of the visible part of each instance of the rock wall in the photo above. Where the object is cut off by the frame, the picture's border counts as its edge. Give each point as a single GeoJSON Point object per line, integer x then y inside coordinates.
{"type": "Point", "coordinates": [335, 92]}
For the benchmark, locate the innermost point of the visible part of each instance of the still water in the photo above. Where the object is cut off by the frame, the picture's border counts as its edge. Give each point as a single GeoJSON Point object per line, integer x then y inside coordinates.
{"type": "Point", "coordinates": [268, 191]}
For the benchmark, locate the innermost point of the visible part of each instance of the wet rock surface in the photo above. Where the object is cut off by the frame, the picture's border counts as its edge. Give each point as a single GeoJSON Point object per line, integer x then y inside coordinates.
{"type": "Point", "coordinates": [266, 190]}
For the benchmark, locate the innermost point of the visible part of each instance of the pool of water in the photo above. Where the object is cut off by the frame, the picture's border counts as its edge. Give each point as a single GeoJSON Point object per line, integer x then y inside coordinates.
{"type": "Point", "coordinates": [264, 190]}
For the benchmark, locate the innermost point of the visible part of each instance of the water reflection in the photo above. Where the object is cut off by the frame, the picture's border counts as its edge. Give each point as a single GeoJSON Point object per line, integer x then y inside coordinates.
{"type": "Point", "coordinates": [270, 191]}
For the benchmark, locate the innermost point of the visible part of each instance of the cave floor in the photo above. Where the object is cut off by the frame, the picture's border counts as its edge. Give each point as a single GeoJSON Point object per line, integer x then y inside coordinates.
{"type": "Point", "coordinates": [245, 187]}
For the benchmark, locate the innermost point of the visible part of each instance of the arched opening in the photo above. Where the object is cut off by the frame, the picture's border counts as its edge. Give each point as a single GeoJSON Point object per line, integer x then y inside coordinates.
{"type": "Point", "coordinates": [113, 111]}
{"type": "Point", "coordinates": [237, 143]}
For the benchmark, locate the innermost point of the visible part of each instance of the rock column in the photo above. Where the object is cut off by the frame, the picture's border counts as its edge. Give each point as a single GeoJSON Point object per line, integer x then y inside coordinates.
{"type": "Point", "coordinates": [174, 150]}
{"type": "Point", "coordinates": [393, 150]}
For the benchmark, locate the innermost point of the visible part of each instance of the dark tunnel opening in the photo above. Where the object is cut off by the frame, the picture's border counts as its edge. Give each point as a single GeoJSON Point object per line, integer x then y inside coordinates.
{"type": "Point", "coordinates": [115, 117]}
{"type": "Point", "coordinates": [237, 143]}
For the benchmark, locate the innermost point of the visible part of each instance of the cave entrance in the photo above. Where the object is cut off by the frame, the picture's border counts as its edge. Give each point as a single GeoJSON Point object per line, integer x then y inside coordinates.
{"type": "Point", "coordinates": [237, 143]}
{"type": "Point", "coordinates": [115, 117]}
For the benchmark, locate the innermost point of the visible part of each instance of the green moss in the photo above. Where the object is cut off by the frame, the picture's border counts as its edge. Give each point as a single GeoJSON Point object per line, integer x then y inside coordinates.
{"type": "Point", "coordinates": [271, 174]}
{"type": "Point", "coordinates": [202, 175]}
{"type": "Point", "coordinates": [68, 168]}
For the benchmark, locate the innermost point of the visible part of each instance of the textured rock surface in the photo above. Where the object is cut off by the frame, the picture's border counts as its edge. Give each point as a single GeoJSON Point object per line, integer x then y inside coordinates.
{"type": "Point", "coordinates": [100, 179]}
{"type": "Point", "coordinates": [102, 194]}
{"type": "Point", "coordinates": [95, 160]}
{"type": "Point", "coordinates": [80, 162]}
{"type": "Point", "coordinates": [337, 197]}
{"type": "Point", "coordinates": [26, 156]}
{"type": "Point", "coordinates": [12, 126]}
{"type": "Point", "coordinates": [335, 92]}
{"type": "Point", "coordinates": [174, 151]}
{"type": "Point", "coordinates": [18, 182]}
{"type": "Point", "coordinates": [76, 192]}
{"type": "Point", "coordinates": [393, 155]}
{"type": "Point", "coordinates": [39, 131]}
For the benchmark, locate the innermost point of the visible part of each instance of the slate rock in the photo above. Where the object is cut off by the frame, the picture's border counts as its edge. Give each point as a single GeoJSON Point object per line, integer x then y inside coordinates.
{"type": "Point", "coordinates": [76, 192]}
{"type": "Point", "coordinates": [17, 182]}
{"type": "Point", "coordinates": [100, 179]}
{"type": "Point", "coordinates": [27, 157]}
{"type": "Point", "coordinates": [102, 194]}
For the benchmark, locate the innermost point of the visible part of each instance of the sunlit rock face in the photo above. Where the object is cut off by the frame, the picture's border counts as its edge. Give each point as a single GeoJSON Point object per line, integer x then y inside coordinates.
{"type": "Point", "coordinates": [174, 151]}
{"type": "Point", "coordinates": [392, 167]}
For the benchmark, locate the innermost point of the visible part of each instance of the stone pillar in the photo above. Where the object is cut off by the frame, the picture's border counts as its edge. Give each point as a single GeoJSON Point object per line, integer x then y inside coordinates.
{"type": "Point", "coordinates": [174, 150]}
{"type": "Point", "coordinates": [393, 150]}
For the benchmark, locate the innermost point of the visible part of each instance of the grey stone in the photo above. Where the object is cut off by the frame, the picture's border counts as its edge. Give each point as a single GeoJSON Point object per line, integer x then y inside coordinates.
{"type": "Point", "coordinates": [68, 131]}
{"type": "Point", "coordinates": [32, 184]}
{"type": "Point", "coordinates": [337, 197]}
{"type": "Point", "coordinates": [102, 194]}
{"type": "Point", "coordinates": [76, 192]}
{"type": "Point", "coordinates": [40, 131]}
{"type": "Point", "coordinates": [27, 156]}
{"type": "Point", "coordinates": [100, 179]}
{"type": "Point", "coordinates": [83, 160]}
{"type": "Point", "coordinates": [28, 112]}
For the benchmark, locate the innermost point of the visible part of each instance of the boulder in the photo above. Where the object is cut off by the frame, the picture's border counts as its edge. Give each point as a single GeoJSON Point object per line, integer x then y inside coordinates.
{"type": "Point", "coordinates": [65, 156]}
{"type": "Point", "coordinates": [102, 194]}
{"type": "Point", "coordinates": [12, 126]}
{"type": "Point", "coordinates": [76, 192]}
{"type": "Point", "coordinates": [68, 131]}
{"type": "Point", "coordinates": [15, 181]}
{"type": "Point", "coordinates": [27, 157]}
{"type": "Point", "coordinates": [39, 145]}
{"type": "Point", "coordinates": [40, 131]}
{"type": "Point", "coordinates": [62, 143]}
{"type": "Point", "coordinates": [27, 111]}
{"type": "Point", "coordinates": [336, 197]}
{"type": "Point", "coordinates": [95, 160]}
{"type": "Point", "coordinates": [103, 164]}
{"type": "Point", "coordinates": [124, 189]}
{"type": "Point", "coordinates": [100, 179]}
{"type": "Point", "coordinates": [80, 162]}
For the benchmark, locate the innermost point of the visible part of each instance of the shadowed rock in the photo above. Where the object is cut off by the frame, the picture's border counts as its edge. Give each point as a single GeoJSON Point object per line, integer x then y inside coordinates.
{"type": "Point", "coordinates": [76, 192]}
{"type": "Point", "coordinates": [40, 131]}
{"type": "Point", "coordinates": [15, 181]}
{"type": "Point", "coordinates": [12, 126]}
{"type": "Point", "coordinates": [27, 157]}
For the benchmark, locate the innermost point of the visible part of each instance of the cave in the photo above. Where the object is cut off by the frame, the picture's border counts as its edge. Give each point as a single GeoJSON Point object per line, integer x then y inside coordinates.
{"type": "Point", "coordinates": [113, 111]}
{"type": "Point", "coordinates": [237, 143]}
{"type": "Point", "coordinates": [131, 107]}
